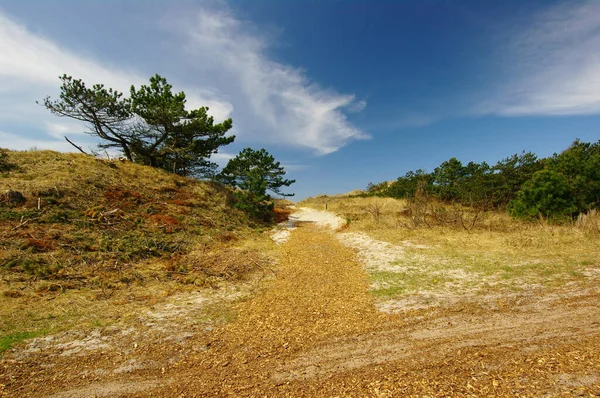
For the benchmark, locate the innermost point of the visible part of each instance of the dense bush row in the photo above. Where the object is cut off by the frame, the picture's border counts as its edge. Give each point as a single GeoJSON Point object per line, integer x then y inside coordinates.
{"type": "Point", "coordinates": [558, 187]}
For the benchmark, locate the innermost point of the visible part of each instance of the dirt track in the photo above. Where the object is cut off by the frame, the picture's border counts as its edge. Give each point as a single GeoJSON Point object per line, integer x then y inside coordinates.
{"type": "Point", "coordinates": [314, 330]}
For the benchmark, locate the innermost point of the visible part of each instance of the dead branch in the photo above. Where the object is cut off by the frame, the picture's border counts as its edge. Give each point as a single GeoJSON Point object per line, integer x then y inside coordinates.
{"type": "Point", "coordinates": [78, 147]}
{"type": "Point", "coordinates": [21, 224]}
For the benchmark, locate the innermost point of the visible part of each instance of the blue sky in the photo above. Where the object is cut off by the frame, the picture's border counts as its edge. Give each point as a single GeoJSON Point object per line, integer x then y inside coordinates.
{"type": "Point", "coordinates": [343, 93]}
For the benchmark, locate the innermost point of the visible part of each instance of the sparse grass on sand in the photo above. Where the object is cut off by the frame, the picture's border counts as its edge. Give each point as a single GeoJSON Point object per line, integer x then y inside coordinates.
{"type": "Point", "coordinates": [495, 253]}
{"type": "Point", "coordinates": [97, 239]}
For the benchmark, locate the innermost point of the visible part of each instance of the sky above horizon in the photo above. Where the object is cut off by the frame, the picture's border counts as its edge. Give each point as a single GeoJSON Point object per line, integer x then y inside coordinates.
{"type": "Point", "coordinates": [342, 93]}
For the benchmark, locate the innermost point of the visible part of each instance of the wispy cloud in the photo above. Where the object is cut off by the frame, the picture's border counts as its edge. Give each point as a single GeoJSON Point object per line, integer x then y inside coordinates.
{"type": "Point", "coordinates": [357, 106]}
{"type": "Point", "coordinates": [553, 64]}
{"type": "Point", "coordinates": [272, 102]}
{"type": "Point", "coordinates": [29, 70]}
{"type": "Point", "coordinates": [35, 60]}
{"type": "Point", "coordinates": [294, 167]}
{"type": "Point", "coordinates": [222, 158]}
{"type": "Point", "coordinates": [62, 128]}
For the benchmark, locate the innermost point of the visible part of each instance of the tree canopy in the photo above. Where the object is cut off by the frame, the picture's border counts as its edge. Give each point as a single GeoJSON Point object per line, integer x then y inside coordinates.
{"type": "Point", "coordinates": [559, 187]}
{"type": "Point", "coordinates": [568, 185]}
{"type": "Point", "coordinates": [473, 184]}
{"type": "Point", "coordinates": [150, 127]}
{"type": "Point", "coordinates": [255, 172]}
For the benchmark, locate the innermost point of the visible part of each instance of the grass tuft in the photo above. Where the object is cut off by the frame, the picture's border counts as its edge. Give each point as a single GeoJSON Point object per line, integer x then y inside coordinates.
{"type": "Point", "coordinates": [7, 341]}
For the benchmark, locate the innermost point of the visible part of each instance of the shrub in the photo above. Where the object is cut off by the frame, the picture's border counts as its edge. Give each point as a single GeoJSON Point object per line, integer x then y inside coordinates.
{"type": "Point", "coordinates": [547, 194]}
{"type": "Point", "coordinates": [254, 173]}
{"type": "Point", "coordinates": [258, 208]}
{"type": "Point", "coordinates": [5, 164]}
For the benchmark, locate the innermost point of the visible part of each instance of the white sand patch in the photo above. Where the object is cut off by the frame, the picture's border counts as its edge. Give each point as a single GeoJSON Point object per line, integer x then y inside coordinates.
{"type": "Point", "coordinates": [375, 255]}
{"type": "Point", "coordinates": [325, 219]}
{"type": "Point", "coordinates": [172, 320]}
{"type": "Point", "coordinates": [591, 273]}
{"type": "Point", "coordinates": [380, 256]}
{"type": "Point", "coordinates": [458, 274]}
{"type": "Point", "coordinates": [318, 217]}
{"type": "Point", "coordinates": [281, 236]}
{"type": "Point", "coordinates": [417, 302]}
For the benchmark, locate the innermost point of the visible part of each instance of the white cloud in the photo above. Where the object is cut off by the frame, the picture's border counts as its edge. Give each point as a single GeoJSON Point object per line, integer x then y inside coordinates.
{"type": "Point", "coordinates": [29, 70]}
{"type": "Point", "coordinates": [33, 60]}
{"type": "Point", "coordinates": [553, 63]}
{"type": "Point", "coordinates": [273, 102]}
{"type": "Point", "coordinates": [219, 109]}
{"type": "Point", "coordinates": [221, 158]}
{"type": "Point", "coordinates": [225, 67]}
{"type": "Point", "coordinates": [358, 106]}
{"type": "Point", "coordinates": [64, 127]}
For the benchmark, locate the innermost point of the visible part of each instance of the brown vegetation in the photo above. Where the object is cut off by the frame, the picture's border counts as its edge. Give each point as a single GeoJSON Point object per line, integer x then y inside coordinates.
{"type": "Point", "coordinates": [93, 227]}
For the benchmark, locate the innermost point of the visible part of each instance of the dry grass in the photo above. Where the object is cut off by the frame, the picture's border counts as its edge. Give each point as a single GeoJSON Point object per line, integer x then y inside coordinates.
{"type": "Point", "coordinates": [283, 203]}
{"type": "Point", "coordinates": [589, 222]}
{"type": "Point", "coordinates": [313, 331]}
{"type": "Point", "coordinates": [497, 253]}
{"type": "Point", "coordinates": [363, 211]}
{"type": "Point", "coordinates": [92, 233]}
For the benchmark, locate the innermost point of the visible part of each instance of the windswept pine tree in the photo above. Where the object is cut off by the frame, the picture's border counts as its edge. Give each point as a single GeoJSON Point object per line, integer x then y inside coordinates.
{"type": "Point", "coordinates": [151, 127]}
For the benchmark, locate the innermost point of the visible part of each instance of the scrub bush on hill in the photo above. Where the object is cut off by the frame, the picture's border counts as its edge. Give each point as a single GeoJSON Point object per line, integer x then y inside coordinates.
{"type": "Point", "coordinates": [5, 164]}
{"type": "Point", "coordinates": [87, 220]}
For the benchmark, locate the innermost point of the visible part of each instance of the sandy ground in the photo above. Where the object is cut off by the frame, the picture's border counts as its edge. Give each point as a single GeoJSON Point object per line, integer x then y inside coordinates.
{"type": "Point", "coordinates": [315, 330]}
{"type": "Point", "coordinates": [323, 219]}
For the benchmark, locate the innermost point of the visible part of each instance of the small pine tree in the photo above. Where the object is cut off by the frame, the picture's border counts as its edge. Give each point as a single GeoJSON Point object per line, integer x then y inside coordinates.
{"type": "Point", "coordinates": [255, 173]}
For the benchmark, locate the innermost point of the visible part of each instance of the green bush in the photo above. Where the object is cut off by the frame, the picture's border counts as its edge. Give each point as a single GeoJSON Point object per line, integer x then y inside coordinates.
{"type": "Point", "coordinates": [254, 172]}
{"type": "Point", "coordinates": [580, 165]}
{"type": "Point", "coordinates": [568, 185]}
{"type": "Point", "coordinates": [5, 164]}
{"type": "Point", "coordinates": [547, 194]}
{"type": "Point", "coordinates": [257, 208]}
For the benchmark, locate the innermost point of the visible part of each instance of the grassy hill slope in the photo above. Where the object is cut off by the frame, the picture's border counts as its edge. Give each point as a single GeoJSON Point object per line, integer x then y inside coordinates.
{"type": "Point", "coordinates": [83, 217]}
{"type": "Point", "coordinates": [94, 229]}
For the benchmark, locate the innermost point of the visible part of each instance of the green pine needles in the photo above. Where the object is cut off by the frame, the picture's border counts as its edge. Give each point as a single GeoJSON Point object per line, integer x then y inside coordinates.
{"type": "Point", "coordinates": [151, 127]}
{"type": "Point", "coordinates": [255, 173]}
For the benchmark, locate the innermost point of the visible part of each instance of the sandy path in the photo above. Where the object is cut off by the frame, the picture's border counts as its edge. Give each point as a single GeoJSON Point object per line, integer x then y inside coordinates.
{"type": "Point", "coordinates": [321, 294]}
{"type": "Point", "coordinates": [314, 330]}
